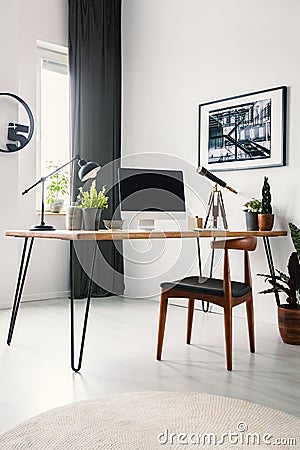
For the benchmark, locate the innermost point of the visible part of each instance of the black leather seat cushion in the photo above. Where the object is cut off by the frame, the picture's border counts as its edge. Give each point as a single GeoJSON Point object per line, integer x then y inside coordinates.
{"type": "Point", "coordinates": [211, 286]}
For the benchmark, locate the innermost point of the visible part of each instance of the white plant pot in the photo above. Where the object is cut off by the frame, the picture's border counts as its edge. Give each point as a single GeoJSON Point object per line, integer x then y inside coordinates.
{"type": "Point", "coordinates": [57, 205]}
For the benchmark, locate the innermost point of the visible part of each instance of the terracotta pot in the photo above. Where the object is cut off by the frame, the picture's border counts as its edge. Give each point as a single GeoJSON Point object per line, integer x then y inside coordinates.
{"type": "Point", "coordinates": [265, 222]}
{"type": "Point", "coordinates": [289, 325]}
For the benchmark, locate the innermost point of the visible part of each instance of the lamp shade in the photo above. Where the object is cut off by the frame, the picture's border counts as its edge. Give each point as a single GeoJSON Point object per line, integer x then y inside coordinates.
{"type": "Point", "coordinates": [87, 169]}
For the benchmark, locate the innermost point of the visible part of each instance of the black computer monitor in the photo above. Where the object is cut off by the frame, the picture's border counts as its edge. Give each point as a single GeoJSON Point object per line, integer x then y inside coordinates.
{"type": "Point", "coordinates": [149, 194]}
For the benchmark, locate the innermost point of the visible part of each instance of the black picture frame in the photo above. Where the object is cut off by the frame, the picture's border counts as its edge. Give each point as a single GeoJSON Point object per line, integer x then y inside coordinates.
{"type": "Point", "coordinates": [246, 131]}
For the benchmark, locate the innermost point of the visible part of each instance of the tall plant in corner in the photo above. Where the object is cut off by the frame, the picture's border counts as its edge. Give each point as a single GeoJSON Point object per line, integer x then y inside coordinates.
{"type": "Point", "coordinates": [289, 284]}
{"type": "Point", "coordinates": [289, 312]}
{"type": "Point", "coordinates": [266, 216]}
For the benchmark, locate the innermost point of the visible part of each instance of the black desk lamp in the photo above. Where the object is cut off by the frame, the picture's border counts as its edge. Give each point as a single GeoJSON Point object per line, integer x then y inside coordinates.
{"type": "Point", "coordinates": [215, 203]}
{"type": "Point", "coordinates": [87, 170]}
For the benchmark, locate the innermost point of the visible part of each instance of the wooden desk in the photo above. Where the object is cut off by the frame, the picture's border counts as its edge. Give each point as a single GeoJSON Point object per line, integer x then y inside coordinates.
{"type": "Point", "coordinates": [104, 235]}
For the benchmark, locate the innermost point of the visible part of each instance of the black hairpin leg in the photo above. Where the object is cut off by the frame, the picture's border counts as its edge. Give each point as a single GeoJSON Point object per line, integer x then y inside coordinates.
{"type": "Point", "coordinates": [87, 308]}
{"type": "Point", "coordinates": [199, 257]}
{"type": "Point", "coordinates": [270, 264]}
{"type": "Point", "coordinates": [212, 259]}
{"type": "Point", "coordinates": [20, 285]}
{"type": "Point", "coordinates": [205, 308]}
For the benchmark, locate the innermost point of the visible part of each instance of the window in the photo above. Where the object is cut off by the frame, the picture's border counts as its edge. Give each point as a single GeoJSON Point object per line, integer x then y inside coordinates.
{"type": "Point", "coordinates": [53, 117]}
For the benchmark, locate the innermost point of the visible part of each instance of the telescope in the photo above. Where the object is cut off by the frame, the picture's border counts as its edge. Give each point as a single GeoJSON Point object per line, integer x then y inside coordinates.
{"type": "Point", "coordinates": [215, 203]}
{"type": "Point", "coordinates": [202, 171]}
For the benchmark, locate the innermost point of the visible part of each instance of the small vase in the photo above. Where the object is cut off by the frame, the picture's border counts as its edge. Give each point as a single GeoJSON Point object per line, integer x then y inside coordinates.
{"type": "Point", "coordinates": [91, 218]}
{"type": "Point", "coordinates": [251, 221]}
{"type": "Point", "coordinates": [265, 222]}
{"type": "Point", "coordinates": [73, 218]}
{"type": "Point", "coordinates": [57, 205]}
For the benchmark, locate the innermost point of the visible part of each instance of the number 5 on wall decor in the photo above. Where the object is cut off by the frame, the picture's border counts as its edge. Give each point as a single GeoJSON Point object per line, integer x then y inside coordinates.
{"type": "Point", "coordinates": [14, 136]}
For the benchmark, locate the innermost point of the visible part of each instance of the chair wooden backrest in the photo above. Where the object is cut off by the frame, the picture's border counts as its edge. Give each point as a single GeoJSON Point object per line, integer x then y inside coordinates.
{"type": "Point", "coordinates": [247, 244]}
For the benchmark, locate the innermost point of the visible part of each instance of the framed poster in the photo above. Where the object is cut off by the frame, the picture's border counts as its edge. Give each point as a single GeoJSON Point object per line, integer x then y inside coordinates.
{"type": "Point", "coordinates": [244, 132]}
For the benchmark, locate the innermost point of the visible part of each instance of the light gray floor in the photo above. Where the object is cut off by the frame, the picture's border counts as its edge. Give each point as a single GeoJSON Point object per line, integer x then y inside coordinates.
{"type": "Point", "coordinates": [35, 373]}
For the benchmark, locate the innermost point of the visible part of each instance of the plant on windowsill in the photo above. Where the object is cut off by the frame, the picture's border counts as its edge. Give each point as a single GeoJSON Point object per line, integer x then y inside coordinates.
{"type": "Point", "coordinates": [288, 313]}
{"type": "Point", "coordinates": [265, 217]}
{"type": "Point", "coordinates": [251, 209]}
{"type": "Point", "coordinates": [92, 202]}
{"type": "Point", "coordinates": [57, 189]}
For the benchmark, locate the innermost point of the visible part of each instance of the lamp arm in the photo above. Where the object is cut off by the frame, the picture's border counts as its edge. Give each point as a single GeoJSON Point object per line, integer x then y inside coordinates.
{"type": "Point", "coordinates": [32, 186]}
{"type": "Point", "coordinates": [42, 179]}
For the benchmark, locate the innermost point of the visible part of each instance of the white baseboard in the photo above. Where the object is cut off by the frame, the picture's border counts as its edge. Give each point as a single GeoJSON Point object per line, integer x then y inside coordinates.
{"type": "Point", "coordinates": [4, 304]}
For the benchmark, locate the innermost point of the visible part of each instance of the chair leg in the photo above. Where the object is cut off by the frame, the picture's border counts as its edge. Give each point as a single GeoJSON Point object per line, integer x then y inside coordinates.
{"type": "Point", "coordinates": [250, 319]}
{"type": "Point", "coordinates": [161, 324]}
{"type": "Point", "coordinates": [190, 315]}
{"type": "Point", "coordinates": [228, 336]}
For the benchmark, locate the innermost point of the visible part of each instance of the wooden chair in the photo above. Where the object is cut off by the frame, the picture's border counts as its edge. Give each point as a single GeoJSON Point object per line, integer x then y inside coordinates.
{"type": "Point", "coordinates": [225, 293]}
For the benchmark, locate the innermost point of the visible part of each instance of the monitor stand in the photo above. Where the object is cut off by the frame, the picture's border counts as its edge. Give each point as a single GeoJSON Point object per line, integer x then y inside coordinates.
{"type": "Point", "coordinates": [146, 224]}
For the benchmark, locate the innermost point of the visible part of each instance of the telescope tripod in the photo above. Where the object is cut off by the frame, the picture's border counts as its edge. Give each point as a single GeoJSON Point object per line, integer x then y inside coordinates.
{"type": "Point", "coordinates": [216, 208]}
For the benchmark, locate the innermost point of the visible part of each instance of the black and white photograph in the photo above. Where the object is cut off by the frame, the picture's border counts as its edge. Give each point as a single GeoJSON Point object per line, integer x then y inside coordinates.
{"type": "Point", "coordinates": [243, 132]}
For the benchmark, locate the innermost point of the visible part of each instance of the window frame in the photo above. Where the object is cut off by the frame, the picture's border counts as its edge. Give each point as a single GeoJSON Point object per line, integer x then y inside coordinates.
{"type": "Point", "coordinates": [57, 54]}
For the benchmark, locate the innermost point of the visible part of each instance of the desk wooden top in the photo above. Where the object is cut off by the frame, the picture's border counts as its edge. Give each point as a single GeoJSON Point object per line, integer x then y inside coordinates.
{"type": "Point", "coordinates": [107, 235]}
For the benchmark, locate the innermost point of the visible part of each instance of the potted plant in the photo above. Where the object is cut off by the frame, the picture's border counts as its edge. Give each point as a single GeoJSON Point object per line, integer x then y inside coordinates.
{"type": "Point", "coordinates": [92, 202]}
{"type": "Point", "coordinates": [57, 189]}
{"type": "Point", "coordinates": [252, 208]}
{"type": "Point", "coordinates": [265, 217]}
{"type": "Point", "coordinates": [289, 313]}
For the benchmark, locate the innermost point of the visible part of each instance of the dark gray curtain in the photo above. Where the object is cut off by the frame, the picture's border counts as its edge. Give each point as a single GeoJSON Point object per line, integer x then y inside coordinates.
{"type": "Point", "coordinates": [95, 74]}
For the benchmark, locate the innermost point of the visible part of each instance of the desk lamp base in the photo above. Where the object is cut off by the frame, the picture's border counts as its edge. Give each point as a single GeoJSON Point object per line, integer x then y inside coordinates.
{"type": "Point", "coordinates": [42, 227]}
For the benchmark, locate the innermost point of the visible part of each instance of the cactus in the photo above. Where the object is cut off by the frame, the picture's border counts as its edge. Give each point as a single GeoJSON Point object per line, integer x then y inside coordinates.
{"type": "Point", "coordinates": [266, 207]}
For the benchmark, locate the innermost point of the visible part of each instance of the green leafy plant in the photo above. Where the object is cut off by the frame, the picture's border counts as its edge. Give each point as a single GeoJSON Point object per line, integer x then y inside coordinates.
{"type": "Point", "coordinates": [92, 198]}
{"type": "Point", "coordinates": [290, 284]}
{"type": "Point", "coordinates": [295, 235]}
{"type": "Point", "coordinates": [253, 205]}
{"type": "Point", "coordinates": [266, 207]}
{"type": "Point", "coordinates": [58, 184]}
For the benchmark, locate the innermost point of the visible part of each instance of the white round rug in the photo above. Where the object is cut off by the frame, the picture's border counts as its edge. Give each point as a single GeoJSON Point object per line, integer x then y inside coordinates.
{"type": "Point", "coordinates": [156, 420]}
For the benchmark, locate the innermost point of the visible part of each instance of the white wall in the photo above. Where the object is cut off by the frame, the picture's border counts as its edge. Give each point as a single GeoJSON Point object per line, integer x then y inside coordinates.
{"type": "Point", "coordinates": [175, 55]}
{"type": "Point", "coordinates": [9, 163]}
{"type": "Point", "coordinates": [178, 54]}
{"type": "Point", "coordinates": [21, 25]}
